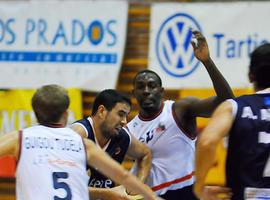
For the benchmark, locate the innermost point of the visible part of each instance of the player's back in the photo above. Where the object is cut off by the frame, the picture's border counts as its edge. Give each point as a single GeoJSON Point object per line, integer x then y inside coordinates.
{"type": "Point", "coordinates": [52, 165]}
{"type": "Point", "coordinates": [248, 164]}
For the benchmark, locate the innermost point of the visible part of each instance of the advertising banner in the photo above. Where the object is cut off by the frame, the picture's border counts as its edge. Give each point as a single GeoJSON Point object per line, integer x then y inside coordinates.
{"type": "Point", "coordinates": [232, 30]}
{"type": "Point", "coordinates": [16, 111]}
{"type": "Point", "coordinates": [76, 44]}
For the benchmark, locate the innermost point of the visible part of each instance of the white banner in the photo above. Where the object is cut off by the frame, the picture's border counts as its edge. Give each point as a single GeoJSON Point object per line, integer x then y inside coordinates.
{"type": "Point", "coordinates": [78, 44]}
{"type": "Point", "coordinates": [232, 30]}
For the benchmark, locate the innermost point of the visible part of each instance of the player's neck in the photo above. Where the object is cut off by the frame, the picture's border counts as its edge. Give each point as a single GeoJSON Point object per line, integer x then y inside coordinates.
{"type": "Point", "coordinates": [147, 116]}
{"type": "Point", "coordinates": [60, 124]}
{"type": "Point", "coordinates": [101, 141]}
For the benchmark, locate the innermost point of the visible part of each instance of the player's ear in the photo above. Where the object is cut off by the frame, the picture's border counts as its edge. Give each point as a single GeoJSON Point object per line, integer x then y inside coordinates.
{"type": "Point", "coordinates": [102, 111]}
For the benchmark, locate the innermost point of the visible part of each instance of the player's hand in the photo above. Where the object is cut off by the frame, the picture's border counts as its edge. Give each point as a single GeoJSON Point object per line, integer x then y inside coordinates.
{"type": "Point", "coordinates": [118, 193]}
{"type": "Point", "coordinates": [215, 193]}
{"type": "Point", "coordinates": [118, 196]}
{"type": "Point", "coordinates": [131, 193]}
{"type": "Point", "coordinates": [201, 50]}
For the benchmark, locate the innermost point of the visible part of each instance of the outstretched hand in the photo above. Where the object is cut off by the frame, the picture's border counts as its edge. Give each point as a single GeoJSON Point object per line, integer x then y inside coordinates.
{"type": "Point", "coordinates": [121, 191]}
{"type": "Point", "coordinates": [118, 193]}
{"type": "Point", "coordinates": [201, 50]}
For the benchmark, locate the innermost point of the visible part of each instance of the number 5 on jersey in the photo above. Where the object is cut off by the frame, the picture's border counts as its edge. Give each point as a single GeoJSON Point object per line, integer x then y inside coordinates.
{"type": "Point", "coordinates": [59, 184]}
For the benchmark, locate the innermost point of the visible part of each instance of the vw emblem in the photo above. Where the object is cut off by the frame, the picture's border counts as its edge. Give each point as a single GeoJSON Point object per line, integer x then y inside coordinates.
{"type": "Point", "coordinates": [173, 48]}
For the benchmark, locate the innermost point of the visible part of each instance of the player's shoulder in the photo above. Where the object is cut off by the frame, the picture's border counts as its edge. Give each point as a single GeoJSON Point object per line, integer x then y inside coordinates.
{"type": "Point", "coordinates": [83, 121]}
{"type": "Point", "coordinates": [124, 133]}
{"type": "Point", "coordinates": [185, 103]}
{"type": "Point", "coordinates": [248, 99]}
{"type": "Point", "coordinates": [246, 96]}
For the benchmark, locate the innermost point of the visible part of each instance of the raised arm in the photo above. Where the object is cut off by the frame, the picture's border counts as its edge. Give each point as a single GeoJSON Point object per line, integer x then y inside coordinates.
{"type": "Point", "coordinates": [110, 168]}
{"type": "Point", "coordinates": [205, 107]}
{"type": "Point", "coordinates": [142, 154]}
{"type": "Point", "coordinates": [217, 128]}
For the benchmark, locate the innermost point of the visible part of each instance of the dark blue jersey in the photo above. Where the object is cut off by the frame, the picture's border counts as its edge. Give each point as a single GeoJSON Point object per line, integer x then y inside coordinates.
{"type": "Point", "coordinates": [249, 145]}
{"type": "Point", "coordinates": [116, 149]}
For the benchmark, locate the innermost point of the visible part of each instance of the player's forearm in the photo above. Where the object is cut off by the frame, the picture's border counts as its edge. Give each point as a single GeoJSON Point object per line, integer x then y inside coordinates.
{"type": "Point", "coordinates": [144, 166]}
{"type": "Point", "coordinates": [221, 86]}
{"type": "Point", "coordinates": [205, 157]}
{"type": "Point", "coordinates": [134, 185]}
{"type": "Point", "coordinates": [121, 176]}
{"type": "Point", "coordinates": [8, 144]}
{"type": "Point", "coordinates": [129, 181]}
{"type": "Point", "coordinates": [99, 193]}
{"type": "Point", "coordinates": [110, 168]}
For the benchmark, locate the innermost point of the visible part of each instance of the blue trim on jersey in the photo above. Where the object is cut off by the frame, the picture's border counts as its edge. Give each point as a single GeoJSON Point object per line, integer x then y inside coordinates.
{"type": "Point", "coordinates": [267, 101]}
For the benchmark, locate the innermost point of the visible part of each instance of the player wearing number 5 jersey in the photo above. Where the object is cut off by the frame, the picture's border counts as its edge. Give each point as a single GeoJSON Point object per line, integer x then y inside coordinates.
{"type": "Point", "coordinates": [52, 158]}
{"type": "Point", "coordinates": [57, 157]}
{"type": "Point", "coordinates": [246, 120]}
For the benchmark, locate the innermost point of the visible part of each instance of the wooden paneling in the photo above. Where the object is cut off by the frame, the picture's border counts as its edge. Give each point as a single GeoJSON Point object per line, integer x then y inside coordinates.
{"type": "Point", "coordinates": [7, 188]}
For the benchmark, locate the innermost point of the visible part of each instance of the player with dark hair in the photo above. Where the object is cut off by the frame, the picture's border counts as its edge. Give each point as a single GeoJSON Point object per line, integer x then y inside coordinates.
{"type": "Point", "coordinates": [105, 127]}
{"type": "Point", "coordinates": [51, 159]}
{"type": "Point", "coordinates": [246, 121]}
{"type": "Point", "coordinates": [169, 128]}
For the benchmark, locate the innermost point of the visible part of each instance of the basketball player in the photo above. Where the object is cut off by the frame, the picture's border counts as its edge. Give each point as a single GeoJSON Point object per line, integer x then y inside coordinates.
{"type": "Point", "coordinates": [104, 127]}
{"type": "Point", "coordinates": [168, 128]}
{"type": "Point", "coordinates": [51, 158]}
{"type": "Point", "coordinates": [246, 120]}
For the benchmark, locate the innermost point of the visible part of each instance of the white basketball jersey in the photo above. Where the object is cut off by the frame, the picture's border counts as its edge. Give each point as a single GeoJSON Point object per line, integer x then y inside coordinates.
{"type": "Point", "coordinates": [52, 165]}
{"type": "Point", "coordinates": [173, 152]}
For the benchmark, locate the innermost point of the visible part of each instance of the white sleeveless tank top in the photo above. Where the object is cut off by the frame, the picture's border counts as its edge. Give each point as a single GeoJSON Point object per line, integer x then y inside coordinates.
{"type": "Point", "coordinates": [52, 165]}
{"type": "Point", "coordinates": [173, 152]}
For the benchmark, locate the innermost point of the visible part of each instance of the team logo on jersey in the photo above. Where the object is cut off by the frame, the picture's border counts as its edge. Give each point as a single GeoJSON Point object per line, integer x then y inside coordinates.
{"type": "Point", "coordinates": [135, 124]}
{"type": "Point", "coordinates": [161, 128]}
{"type": "Point", "coordinates": [101, 183]}
{"type": "Point", "coordinates": [149, 136]}
{"type": "Point", "coordinates": [173, 49]}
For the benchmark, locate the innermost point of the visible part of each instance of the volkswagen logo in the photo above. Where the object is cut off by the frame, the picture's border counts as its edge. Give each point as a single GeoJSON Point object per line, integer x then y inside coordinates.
{"type": "Point", "coordinates": [173, 48]}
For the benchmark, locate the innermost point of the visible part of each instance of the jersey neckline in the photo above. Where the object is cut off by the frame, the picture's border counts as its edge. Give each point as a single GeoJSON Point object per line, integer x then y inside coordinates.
{"type": "Point", "coordinates": [154, 116]}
